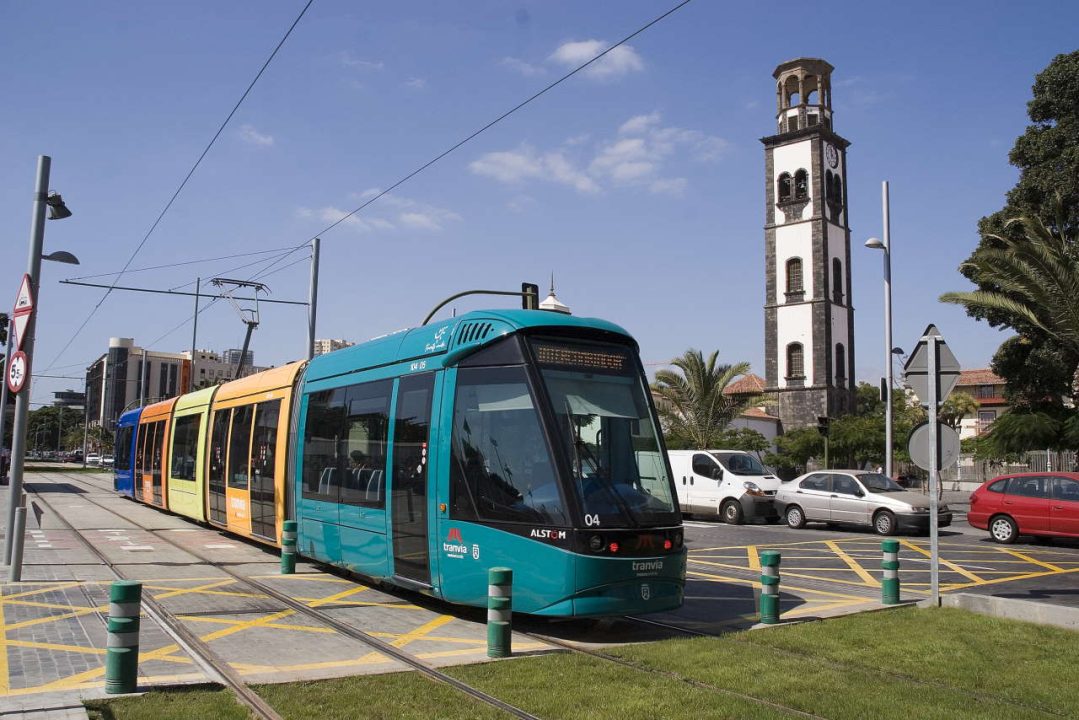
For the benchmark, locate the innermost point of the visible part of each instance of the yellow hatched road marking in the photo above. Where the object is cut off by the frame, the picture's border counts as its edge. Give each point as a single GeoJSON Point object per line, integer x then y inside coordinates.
{"type": "Point", "coordinates": [276, 626]}
{"type": "Point", "coordinates": [49, 588]}
{"type": "Point", "coordinates": [422, 630]}
{"type": "Point", "coordinates": [207, 589]}
{"type": "Point", "coordinates": [858, 569]}
{"type": "Point", "coordinates": [1028, 576]}
{"type": "Point", "coordinates": [52, 618]}
{"type": "Point", "coordinates": [246, 624]}
{"type": "Point", "coordinates": [754, 558]}
{"type": "Point", "coordinates": [337, 596]}
{"type": "Point", "coordinates": [54, 646]}
{"type": "Point", "coordinates": [756, 584]}
{"type": "Point", "coordinates": [946, 563]}
{"type": "Point", "coordinates": [1029, 559]}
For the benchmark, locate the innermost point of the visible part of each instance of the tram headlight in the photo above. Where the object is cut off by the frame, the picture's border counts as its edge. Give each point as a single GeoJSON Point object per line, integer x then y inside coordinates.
{"type": "Point", "coordinates": [678, 538]}
{"type": "Point", "coordinates": [596, 544]}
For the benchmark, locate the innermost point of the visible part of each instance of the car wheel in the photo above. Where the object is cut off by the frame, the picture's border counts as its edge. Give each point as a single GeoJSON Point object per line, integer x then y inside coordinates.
{"type": "Point", "coordinates": [884, 523]}
{"type": "Point", "coordinates": [731, 512]}
{"type": "Point", "coordinates": [1003, 530]}
{"type": "Point", "coordinates": [795, 517]}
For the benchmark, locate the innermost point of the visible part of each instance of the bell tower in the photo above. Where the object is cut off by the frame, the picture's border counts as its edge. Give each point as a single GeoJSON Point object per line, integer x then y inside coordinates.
{"type": "Point", "coordinates": [808, 312]}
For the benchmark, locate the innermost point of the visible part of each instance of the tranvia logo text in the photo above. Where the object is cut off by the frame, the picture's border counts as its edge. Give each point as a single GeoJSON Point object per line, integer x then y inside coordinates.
{"type": "Point", "coordinates": [454, 546]}
{"type": "Point", "coordinates": [647, 567]}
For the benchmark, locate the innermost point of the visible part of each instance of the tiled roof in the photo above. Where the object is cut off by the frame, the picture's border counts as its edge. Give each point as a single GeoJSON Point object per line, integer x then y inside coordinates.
{"type": "Point", "coordinates": [745, 385]}
{"type": "Point", "coordinates": [755, 412]}
{"type": "Point", "coordinates": [979, 377]}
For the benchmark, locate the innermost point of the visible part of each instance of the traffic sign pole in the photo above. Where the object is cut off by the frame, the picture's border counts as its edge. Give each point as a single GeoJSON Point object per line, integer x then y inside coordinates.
{"type": "Point", "coordinates": [934, 474]}
{"type": "Point", "coordinates": [22, 400]}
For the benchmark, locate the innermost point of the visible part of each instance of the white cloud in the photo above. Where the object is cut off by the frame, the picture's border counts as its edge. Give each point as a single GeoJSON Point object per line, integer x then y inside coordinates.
{"type": "Point", "coordinates": [347, 60]}
{"type": "Point", "coordinates": [668, 186]}
{"type": "Point", "coordinates": [639, 155]}
{"type": "Point", "coordinates": [407, 214]}
{"type": "Point", "coordinates": [252, 136]}
{"type": "Point", "coordinates": [639, 123]}
{"type": "Point", "coordinates": [620, 61]}
{"type": "Point", "coordinates": [416, 83]}
{"type": "Point", "coordinates": [515, 166]}
{"type": "Point", "coordinates": [524, 68]}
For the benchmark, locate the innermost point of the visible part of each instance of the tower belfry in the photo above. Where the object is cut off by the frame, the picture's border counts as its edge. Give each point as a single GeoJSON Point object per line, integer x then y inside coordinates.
{"type": "Point", "coordinates": [808, 313]}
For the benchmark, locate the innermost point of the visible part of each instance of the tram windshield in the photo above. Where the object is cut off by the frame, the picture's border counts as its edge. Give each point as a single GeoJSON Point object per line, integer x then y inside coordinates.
{"type": "Point", "coordinates": [604, 420]}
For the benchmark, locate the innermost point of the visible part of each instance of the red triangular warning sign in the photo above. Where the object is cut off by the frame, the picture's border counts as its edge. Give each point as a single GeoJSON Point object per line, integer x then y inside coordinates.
{"type": "Point", "coordinates": [24, 301]}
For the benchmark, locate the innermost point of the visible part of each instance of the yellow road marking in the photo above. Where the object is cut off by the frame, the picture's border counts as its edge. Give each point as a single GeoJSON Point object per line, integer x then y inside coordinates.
{"type": "Point", "coordinates": [5, 682]}
{"type": "Point", "coordinates": [54, 646]}
{"type": "Point", "coordinates": [422, 630]}
{"type": "Point", "coordinates": [246, 624]}
{"type": "Point", "coordinates": [754, 559]}
{"type": "Point", "coordinates": [858, 569]}
{"type": "Point", "coordinates": [1029, 559]}
{"type": "Point", "coordinates": [756, 584]}
{"type": "Point", "coordinates": [1028, 576]}
{"type": "Point", "coordinates": [50, 588]}
{"type": "Point", "coordinates": [946, 563]}
{"type": "Point", "coordinates": [337, 596]}
{"type": "Point", "coordinates": [207, 589]}
{"type": "Point", "coordinates": [51, 618]}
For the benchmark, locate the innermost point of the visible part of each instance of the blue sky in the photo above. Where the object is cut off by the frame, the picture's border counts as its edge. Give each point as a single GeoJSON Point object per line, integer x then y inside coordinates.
{"type": "Point", "coordinates": [638, 184]}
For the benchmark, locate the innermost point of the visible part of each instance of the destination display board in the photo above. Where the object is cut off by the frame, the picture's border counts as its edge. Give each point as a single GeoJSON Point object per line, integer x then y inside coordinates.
{"type": "Point", "coordinates": [591, 358]}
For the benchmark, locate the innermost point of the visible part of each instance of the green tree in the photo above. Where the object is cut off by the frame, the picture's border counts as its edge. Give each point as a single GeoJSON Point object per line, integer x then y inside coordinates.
{"type": "Point", "coordinates": [746, 439]}
{"type": "Point", "coordinates": [1035, 281]}
{"type": "Point", "coordinates": [4, 321]}
{"type": "Point", "coordinates": [1047, 156]}
{"type": "Point", "coordinates": [48, 425]}
{"type": "Point", "coordinates": [794, 450]}
{"type": "Point", "coordinates": [691, 403]}
{"type": "Point", "coordinates": [957, 406]}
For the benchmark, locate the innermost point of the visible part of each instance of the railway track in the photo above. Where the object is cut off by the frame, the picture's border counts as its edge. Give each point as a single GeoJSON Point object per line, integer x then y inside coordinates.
{"type": "Point", "coordinates": [219, 669]}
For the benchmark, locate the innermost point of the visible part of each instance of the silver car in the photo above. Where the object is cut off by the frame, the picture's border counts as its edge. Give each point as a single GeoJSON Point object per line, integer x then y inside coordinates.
{"type": "Point", "coordinates": [856, 497]}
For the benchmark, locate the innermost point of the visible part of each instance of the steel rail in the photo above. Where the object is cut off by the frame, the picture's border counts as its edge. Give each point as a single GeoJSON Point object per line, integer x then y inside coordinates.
{"type": "Point", "coordinates": [187, 640]}
{"type": "Point", "coordinates": [328, 620]}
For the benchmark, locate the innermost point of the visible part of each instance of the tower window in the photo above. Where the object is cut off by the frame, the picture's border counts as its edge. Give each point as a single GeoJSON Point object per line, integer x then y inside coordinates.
{"type": "Point", "coordinates": [795, 361]}
{"type": "Point", "coordinates": [785, 187]}
{"type": "Point", "coordinates": [801, 185]}
{"type": "Point", "coordinates": [794, 280]}
{"type": "Point", "coordinates": [840, 364]}
{"type": "Point", "coordinates": [837, 281]}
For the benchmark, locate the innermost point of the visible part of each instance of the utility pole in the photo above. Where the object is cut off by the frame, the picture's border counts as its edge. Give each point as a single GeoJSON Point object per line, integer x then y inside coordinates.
{"type": "Point", "coordinates": [312, 299]}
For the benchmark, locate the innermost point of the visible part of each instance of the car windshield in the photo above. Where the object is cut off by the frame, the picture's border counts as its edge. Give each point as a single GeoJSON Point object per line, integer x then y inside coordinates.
{"type": "Point", "coordinates": [877, 483]}
{"type": "Point", "coordinates": [740, 463]}
{"type": "Point", "coordinates": [603, 419]}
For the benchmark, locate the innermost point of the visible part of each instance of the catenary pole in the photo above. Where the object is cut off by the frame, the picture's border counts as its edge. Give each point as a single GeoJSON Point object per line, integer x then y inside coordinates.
{"type": "Point", "coordinates": [312, 300]}
{"type": "Point", "coordinates": [22, 400]}
{"type": "Point", "coordinates": [195, 332]}
{"type": "Point", "coordinates": [933, 341]}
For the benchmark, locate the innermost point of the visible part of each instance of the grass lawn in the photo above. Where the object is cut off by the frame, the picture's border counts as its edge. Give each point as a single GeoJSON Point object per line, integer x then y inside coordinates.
{"type": "Point", "coordinates": [906, 663]}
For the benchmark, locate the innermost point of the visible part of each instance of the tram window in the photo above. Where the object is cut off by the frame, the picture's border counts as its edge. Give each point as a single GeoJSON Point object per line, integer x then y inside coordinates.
{"type": "Point", "coordinates": [362, 459]}
{"type": "Point", "coordinates": [501, 467]}
{"type": "Point", "coordinates": [185, 440]}
{"type": "Point", "coordinates": [264, 447]}
{"type": "Point", "coordinates": [216, 480]}
{"type": "Point", "coordinates": [140, 450]}
{"type": "Point", "coordinates": [323, 429]}
{"type": "Point", "coordinates": [123, 447]}
{"type": "Point", "coordinates": [239, 446]}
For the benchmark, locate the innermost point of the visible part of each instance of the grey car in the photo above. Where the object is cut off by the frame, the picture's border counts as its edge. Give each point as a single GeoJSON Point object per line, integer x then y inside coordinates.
{"type": "Point", "coordinates": [856, 497]}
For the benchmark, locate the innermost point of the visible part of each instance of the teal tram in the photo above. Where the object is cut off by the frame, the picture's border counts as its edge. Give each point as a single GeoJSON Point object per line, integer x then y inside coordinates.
{"type": "Point", "coordinates": [517, 438]}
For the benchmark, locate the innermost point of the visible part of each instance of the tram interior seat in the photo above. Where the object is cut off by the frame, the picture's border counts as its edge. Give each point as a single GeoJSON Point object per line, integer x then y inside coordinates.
{"type": "Point", "coordinates": [374, 486]}
{"type": "Point", "coordinates": [327, 482]}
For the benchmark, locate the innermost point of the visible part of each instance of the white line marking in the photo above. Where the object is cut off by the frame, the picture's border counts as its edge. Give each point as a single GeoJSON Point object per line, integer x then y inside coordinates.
{"type": "Point", "coordinates": [137, 548]}
{"type": "Point", "coordinates": [219, 546]}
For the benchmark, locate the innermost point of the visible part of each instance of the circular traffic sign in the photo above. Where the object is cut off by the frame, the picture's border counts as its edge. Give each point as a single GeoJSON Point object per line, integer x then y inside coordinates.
{"type": "Point", "coordinates": [18, 370]}
{"type": "Point", "coordinates": [919, 442]}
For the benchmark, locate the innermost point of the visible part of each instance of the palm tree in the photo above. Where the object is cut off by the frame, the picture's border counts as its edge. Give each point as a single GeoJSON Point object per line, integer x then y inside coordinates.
{"type": "Point", "coordinates": [1035, 279]}
{"type": "Point", "coordinates": [692, 405]}
{"type": "Point", "coordinates": [959, 405]}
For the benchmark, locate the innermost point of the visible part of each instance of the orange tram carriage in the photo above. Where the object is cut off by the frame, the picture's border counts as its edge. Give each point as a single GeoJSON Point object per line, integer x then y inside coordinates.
{"type": "Point", "coordinates": [517, 438]}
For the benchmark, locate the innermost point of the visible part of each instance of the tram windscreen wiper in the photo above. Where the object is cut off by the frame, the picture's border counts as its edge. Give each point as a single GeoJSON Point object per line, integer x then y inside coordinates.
{"type": "Point", "coordinates": [598, 473]}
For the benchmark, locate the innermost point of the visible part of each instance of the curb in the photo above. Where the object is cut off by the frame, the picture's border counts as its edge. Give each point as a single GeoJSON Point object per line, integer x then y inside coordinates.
{"type": "Point", "coordinates": [1024, 610]}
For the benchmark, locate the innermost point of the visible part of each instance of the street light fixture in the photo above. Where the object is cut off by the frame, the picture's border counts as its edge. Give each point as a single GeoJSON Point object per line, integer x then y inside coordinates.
{"type": "Point", "coordinates": [57, 211]}
{"type": "Point", "coordinates": [886, 245]}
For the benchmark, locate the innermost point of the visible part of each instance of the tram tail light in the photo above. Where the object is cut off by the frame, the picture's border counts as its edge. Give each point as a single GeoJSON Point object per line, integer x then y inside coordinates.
{"type": "Point", "coordinates": [667, 544]}
{"type": "Point", "coordinates": [613, 547]}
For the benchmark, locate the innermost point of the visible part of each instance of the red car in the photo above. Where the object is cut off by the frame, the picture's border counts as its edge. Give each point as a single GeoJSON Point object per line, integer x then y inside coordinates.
{"type": "Point", "coordinates": [1044, 504]}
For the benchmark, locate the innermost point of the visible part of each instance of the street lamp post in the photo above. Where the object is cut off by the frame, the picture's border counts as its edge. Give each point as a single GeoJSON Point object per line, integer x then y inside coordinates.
{"type": "Point", "coordinates": [55, 204]}
{"type": "Point", "coordinates": [886, 246]}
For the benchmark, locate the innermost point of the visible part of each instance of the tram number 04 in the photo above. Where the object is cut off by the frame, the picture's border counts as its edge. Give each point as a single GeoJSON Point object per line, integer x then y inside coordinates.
{"type": "Point", "coordinates": [591, 520]}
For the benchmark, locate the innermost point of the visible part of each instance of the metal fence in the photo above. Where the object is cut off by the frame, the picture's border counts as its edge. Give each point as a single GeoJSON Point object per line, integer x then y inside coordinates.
{"type": "Point", "coordinates": [969, 471]}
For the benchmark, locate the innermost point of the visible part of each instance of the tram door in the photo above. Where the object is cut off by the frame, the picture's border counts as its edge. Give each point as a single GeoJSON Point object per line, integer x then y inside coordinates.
{"type": "Point", "coordinates": [263, 469]}
{"type": "Point", "coordinates": [238, 478]}
{"type": "Point", "coordinates": [411, 452]}
{"type": "Point", "coordinates": [151, 451]}
{"type": "Point", "coordinates": [215, 478]}
{"type": "Point", "coordinates": [156, 488]}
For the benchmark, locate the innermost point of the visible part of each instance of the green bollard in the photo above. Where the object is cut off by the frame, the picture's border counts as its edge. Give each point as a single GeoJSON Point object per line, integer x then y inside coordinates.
{"type": "Point", "coordinates": [288, 547]}
{"type": "Point", "coordinates": [499, 612]}
{"type": "Point", "coordinates": [889, 586]}
{"type": "Point", "coordinates": [122, 652]}
{"type": "Point", "coordinates": [769, 587]}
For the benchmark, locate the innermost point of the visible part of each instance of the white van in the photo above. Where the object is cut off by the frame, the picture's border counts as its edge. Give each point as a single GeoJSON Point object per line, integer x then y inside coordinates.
{"type": "Point", "coordinates": [730, 484]}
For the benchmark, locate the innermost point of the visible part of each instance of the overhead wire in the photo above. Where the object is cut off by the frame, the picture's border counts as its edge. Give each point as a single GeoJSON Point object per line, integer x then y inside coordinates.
{"type": "Point", "coordinates": [486, 127]}
{"type": "Point", "coordinates": [181, 264]}
{"type": "Point", "coordinates": [183, 183]}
